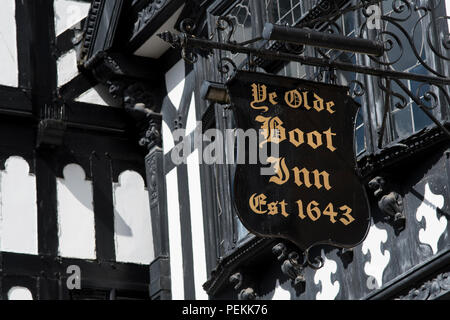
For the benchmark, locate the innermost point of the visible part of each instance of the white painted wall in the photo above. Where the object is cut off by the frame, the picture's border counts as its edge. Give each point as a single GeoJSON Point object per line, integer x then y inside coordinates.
{"type": "Point", "coordinates": [76, 222]}
{"type": "Point", "coordinates": [8, 44]}
{"type": "Point", "coordinates": [18, 209]}
{"type": "Point", "coordinates": [175, 250]}
{"type": "Point", "coordinates": [19, 293]}
{"type": "Point", "coordinates": [197, 231]}
{"type": "Point", "coordinates": [68, 13]}
{"type": "Point", "coordinates": [168, 142]}
{"type": "Point", "coordinates": [67, 67]}
{"type": "Point", "coordinates": [175, 79]}
{"type": "Point", "coordinates": [132, 221]}
{"type": "Point", "coordinates": [92, 96]}
{"type": "Point", "coordinates": [191, 123]}
{"type": "Point", "coordinates": [155, 47]}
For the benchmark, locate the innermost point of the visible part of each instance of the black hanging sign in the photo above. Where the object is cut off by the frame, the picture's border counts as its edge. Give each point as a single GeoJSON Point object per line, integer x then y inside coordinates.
{"type": "Point", "coordinates": [314, 195]}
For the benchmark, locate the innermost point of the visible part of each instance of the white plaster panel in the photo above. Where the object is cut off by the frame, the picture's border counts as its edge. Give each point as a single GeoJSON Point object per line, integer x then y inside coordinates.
{"type": "Point", "coordinates": [19, 293]}
{"type": "Point", "coordinates": [175, 250]}
{"type": "Point", "coordinates": [198, 236]}
{"type": "Point", "coordinates": [168, 142]}
{"type": "Point", "coordinates": [155, 47]}
{"type": "Point", "coordinates": [175, 79]}
{"type": "Point", "coordinates": [191, 124]}
{"type": "Point", "coordinates": [132, 222]}
{"type": "Point", "coordinates": [68, 13]}
{"type": "Point", "coordinates": [92, 96]}
{"type": "Point", "coordinates": [76, 221]}
{"type": "Point", "coordinates": [18, 209]}
{"type": "Point", "coordinates": [8, 44]}
{"type": "Point", "coordinates": [67, 67]}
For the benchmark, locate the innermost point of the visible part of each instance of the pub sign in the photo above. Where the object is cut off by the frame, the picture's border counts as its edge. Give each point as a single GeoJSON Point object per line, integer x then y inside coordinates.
{"type": "Point", "coordinates": [314, 194]}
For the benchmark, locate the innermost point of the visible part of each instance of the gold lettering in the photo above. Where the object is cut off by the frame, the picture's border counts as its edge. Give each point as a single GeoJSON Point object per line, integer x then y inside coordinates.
{"type": "Point", "coordinates": [303, 177]}
{"type": "Point", "coordinates": [329, 211]}
{"type": "Point", "coordinates": [297, 137]}
{"type": "Point", "coordinates": [272, 97]}
{"type": "Point", "coordinates": [348, 218]}
{"type": "Point", "coordinates": [299, 182]}
{"type": "Point", "coordinates": [329, 135]}
{"type": "Point", "coordinates": [259, 93]}
{"type": "Point", "coordinates": [301, 214]}
{"type": "Point", "coordinates": [283, 205]}
{"type": "Point", "coordinates": [256, 203]}
{"type": "Point", "coordinates": [293, 98]}
{"type": "Point", "coordinates": [313, 211]}
{"type": "Point", "coordinates": [272, 129]}
{"type": "Point", "coordinates": [283, 174]}
{"type": "Point", "coordinates": [329, 106]}
{"type": "Point", "coordinates": [325, 179]}
{"type": "Point", "coordinates": [273, 208]}
{"type": "Point", "coordinates": [305, 99]}
{"type": "Point", "coordinates": [318, 139]}
{"type": "Point", "coordinates": [318, 103]}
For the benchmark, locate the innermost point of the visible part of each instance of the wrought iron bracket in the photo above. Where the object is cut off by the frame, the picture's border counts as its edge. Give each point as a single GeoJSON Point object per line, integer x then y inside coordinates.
{"type": "Point", "coordinates": [313, 33]}
{"type": "Point", "coordinates": [187, 43]}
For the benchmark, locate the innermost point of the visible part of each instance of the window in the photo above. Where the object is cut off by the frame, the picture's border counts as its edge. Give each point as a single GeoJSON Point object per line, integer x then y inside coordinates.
{"type": "Point", "coordinates": [285, 11]}
{"type": "Point", "coordinates": [408, 118]}
{"type": "Point", "coordinates": [421, 51]}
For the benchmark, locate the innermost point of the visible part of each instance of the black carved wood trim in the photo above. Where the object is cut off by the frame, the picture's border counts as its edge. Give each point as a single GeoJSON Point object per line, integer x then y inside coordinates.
{"type": "Point", "coordinates": [402, 151]}
{"type": "Point", "coordinates": [244, 254]}
{"type": "Point", "coordinates": [148, 19]}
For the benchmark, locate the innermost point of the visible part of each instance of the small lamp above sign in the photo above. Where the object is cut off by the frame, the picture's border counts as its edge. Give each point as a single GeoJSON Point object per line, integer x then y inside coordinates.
{"type": "Point", "coordinates": [214, 92]}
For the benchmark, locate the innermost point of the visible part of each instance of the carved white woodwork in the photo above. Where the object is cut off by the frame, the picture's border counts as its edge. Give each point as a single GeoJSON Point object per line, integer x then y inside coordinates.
{"type": "Point", "coordinates": [329, 289]}
{"type": "Point", "coordinates": [132, 222]}
{"type": "Point", "coordinates": [76, 221]}
{"type": "Point", "coordinates": [18, 208]}
{"type": "Point", "coordinates": [281, 293]}
{"type": "Point", "coordinates": [378, 259]}
{"type": "Point", "coordinates": [434, 226]}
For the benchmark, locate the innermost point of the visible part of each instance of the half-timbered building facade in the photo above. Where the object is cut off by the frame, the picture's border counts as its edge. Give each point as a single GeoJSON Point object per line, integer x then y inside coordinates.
{"type": "Point", "coordinates": [92, 101]}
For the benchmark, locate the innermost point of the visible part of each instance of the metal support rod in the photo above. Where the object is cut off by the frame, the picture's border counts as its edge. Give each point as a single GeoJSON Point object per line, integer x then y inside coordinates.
{"type": "Point", "coordinates": [184, 41]}
{"type": "Point", "coordinates": [322, 39]}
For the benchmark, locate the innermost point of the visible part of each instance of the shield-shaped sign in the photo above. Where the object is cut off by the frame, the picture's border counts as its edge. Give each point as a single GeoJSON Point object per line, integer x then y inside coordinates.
{"type": "Point", "coordinates": [314, 195]}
